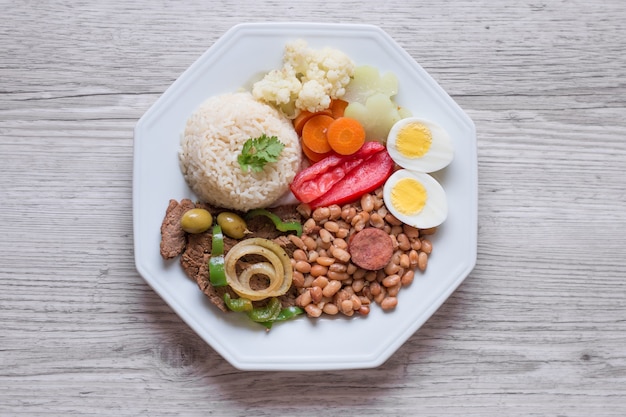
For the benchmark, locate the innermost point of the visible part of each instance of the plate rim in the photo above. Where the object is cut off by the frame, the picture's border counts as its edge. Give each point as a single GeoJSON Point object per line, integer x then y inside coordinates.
{"type": "Point", "coordinates": [380, 356]}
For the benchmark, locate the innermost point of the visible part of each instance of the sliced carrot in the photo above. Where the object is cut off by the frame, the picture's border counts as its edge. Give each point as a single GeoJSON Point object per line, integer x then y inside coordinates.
{"type": "Point", "coordinates": [345, 135]}
{"type": "Point", "coordinates": [304, 116]}
{"type": "Point", "coordinates": [314, 133]}
{"type": "Point", "coordinates": [313, 156]}
{"type": "Point", "coordinates": [338, 107]}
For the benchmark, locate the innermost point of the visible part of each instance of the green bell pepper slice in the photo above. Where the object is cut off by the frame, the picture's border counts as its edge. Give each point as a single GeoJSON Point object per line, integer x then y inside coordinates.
{"type": "Point", "coordinates": [217, 273]}
{"type": "Point", "coordinates": [278, 222]}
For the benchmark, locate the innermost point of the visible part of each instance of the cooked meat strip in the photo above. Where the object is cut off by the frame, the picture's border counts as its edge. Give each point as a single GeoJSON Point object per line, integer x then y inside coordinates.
{"type": "Point", "coordinates": [197, 251]}
{"type": "Point", "coordinates": [173, 237]}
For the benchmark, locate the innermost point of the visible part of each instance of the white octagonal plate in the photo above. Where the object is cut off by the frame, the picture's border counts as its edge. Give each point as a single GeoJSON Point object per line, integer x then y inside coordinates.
{"type": "Point", "coordinates": [239, 56]}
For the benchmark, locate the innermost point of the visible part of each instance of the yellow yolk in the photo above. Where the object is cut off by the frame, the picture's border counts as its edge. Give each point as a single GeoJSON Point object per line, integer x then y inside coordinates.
{"type": "Point", "coordinates": [408, 196]}
{"type": "Point", "coordinates": [414, 140]}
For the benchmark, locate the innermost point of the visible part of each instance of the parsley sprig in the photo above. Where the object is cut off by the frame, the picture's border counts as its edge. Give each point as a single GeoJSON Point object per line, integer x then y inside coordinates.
{"type": "Point", "coordinates": [258, 152]}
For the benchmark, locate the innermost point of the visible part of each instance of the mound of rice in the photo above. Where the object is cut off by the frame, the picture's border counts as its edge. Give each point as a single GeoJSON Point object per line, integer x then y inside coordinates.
{"type": "Point", "coordinates": [213, 138]}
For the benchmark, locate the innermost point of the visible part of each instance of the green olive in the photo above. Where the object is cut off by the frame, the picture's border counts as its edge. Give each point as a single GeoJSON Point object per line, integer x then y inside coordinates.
{"type": "Point", "coordinates": [232, 225]}
{"type": "Point", "coordinates": [196, 220]}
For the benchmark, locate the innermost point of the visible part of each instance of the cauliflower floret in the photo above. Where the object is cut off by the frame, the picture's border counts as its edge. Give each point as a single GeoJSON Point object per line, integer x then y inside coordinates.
{"type": "Point", "coordinates": [312, 97]}
{"type": "Point", "coordinates": [309, 78]}
{"type": "Point", "coordinates": [337, 69]}
{"type": "Point", "coordinates": [297, 55]}
{"type": "Point", "coordinates": [278, 87]}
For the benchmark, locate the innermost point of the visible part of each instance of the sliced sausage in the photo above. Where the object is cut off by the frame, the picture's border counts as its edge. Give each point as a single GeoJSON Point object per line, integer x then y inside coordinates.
{"type": "Point", "coordinates": [371, 248]}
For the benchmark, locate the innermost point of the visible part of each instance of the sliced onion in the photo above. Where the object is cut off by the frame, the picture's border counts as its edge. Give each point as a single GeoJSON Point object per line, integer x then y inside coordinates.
{"type": "Point", "coordinates": [277, 269]}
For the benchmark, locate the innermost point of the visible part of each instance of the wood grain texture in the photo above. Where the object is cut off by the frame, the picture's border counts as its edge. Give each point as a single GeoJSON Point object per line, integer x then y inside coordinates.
{"type": "Point", "coordinates": [538, 328]}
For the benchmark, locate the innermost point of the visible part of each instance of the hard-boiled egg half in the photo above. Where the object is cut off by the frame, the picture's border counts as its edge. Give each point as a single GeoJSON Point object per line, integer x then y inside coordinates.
{"type": "Point", "coordinates": [415, 198]}
{"type": "Point", "coordinates": [411, 194]}
{"type": "Point", "coordinates": [419, 145]}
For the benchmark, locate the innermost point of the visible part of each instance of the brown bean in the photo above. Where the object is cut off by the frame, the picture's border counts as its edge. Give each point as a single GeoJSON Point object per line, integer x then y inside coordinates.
{"type": "Point", "coordinates": [309, 226]}
{"type": "Point", "coordinates": [395, 230]}
{"type": "Point", "coordinates": [391, 280]}
{"type": "Point", "coordinates": [318, 270]}
{"type": "Point", "coordinates": [364, 310]}
{"type": "Point", "coordinates": [364, 300]}
{"type": "Point", "coordinates": [320, 214]}
{"type": "Point", "coordinates": [335, 212]}
{"type": "Point", "coordinates": [410, 231]}
{"type": "Point", "coordinates": [340, 243]}
{"type": "Point", "coordinates": [416, 244]}
{"type": "Point", "coordinates": [358, 285]}
{"type": "Point", "coordinates": [427, 246]}
{"type": "Point", "coordinates": [413, 258]}
{"type": "Point", "coordinates": [303, 266]}
{"type": "Point", "coordinates": [392, 220]}
{"type": "Point", "coordinates": [316, 294]}
{"type": "Point", "coordinates": [394, 241]}
{"type": "Point", "coordinates": [403, 242]}
{"type": "Point", "coordinates": [310, 243]}
{"type": "Point", "coordinates": [298, 279]}
{"type": "Point", "coordinates": [392, 268]}
{"type": "Point", "coordinates": [308, 281]}
{"type": "Point", "coordinates": [394, 290]}
{"type": "Point", "coordinates": [348, 214]}
{"type": "Point", "coordinates": [325, 260]}
{"type": "Point", "coordinates": [381, 296]}
{"type": "Point", "coordinates": [340, 296]}
{"type": "Point", "coordinates": [367, 202]}
{"type": "Point", "coordinates": [299, 255]}
{"type": "Point", "coordinates": [377, 221]}
{"type": "Point", "coordinates": [356, 302]}
{"type": "Point", "coordinates": [339, 276]}
{"type": "Point", "coordinates": [304, 299]}
{"type": "Point", "coordinates": [297, 241]}
{"type": "Point", "coordinates": [389, 303]}
{"type": "Point", "coordinates": [346, 307]}
{"type": "Point", "coordinates": [325, 236]}
{"type": "Point", "coordinates": [304, 210]}
{"type": "Point", "coordinates": [313, 255]}
{"type": "Point", "coordinates": [342, 233]}
{"type": "Point", "coordinates": [404, 261]}
{"type": "Point", "coordinates": [422, 261]}
{"type": "Point", "coordinates": [320, 282]}
{"type": "Point", "coordinates": [331, 226]}
{"type": "Point", "coordinates": [341, 255]}
{"type": "Point", "coordinates": [312, 310]}
{"type": "Point", "coordinates": [430, 231]}
{"type": "Point", "coordinates": [331, 288]}
{"type": "Point", "coordinates": [359, 273]}
{"type": "Point", "coordinates": [330, 309]}
{"type": "Point", "coordinates": [370, 276]}
{"type": "Point", "coordinates": [367, 292]}
{"type": "Point", "coordinates": [375, 288]}
{"type": "Point", "coordinates": [378, 202]}
{"type": "Point", "coordinates": [337, 267]}
{"type": "Point", "coordinates": [407, 277]}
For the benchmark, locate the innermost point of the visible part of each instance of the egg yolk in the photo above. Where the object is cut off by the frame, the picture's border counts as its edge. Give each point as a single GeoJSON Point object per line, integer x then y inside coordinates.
{"type": "Point", "coordinates": [408, 196]}
{"type": "Point", "coordinates": [414, 140]}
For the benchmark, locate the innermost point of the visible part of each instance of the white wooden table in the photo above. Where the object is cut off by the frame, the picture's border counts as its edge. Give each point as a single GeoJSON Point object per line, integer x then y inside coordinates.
{"type": "Point", "coordinates": [538, 328]}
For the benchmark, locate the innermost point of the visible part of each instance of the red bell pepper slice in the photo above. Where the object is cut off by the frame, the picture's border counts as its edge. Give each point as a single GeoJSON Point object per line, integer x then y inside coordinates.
{"type": "Point", "coordinates": [319, 178]}
{"type": "Point", "coordinates": [367, 177]}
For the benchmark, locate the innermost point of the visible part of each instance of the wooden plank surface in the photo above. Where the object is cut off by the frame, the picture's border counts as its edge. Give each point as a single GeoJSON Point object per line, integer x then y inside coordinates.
{"type": "Point", "coordinates": [538, 328]}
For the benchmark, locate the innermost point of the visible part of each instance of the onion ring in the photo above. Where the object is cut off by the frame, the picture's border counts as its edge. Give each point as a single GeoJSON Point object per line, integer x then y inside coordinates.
{"type": "Point", "coordinates": [278, 269]}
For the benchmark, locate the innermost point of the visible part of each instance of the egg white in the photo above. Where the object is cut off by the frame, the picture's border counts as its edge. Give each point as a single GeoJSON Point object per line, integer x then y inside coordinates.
{"type": "Point", "coordinates": [435, 210]}
{"type": "Point", "coordinates": [440, 154]}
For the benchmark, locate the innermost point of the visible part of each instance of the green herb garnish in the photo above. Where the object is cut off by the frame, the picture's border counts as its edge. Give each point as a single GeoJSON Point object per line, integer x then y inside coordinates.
{"type": "Point", "coordinates": [258, 152]}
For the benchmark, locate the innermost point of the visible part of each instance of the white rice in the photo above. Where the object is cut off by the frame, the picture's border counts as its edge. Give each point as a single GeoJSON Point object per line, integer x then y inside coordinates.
{"type": "Point", "coordinates": [213, 138]}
